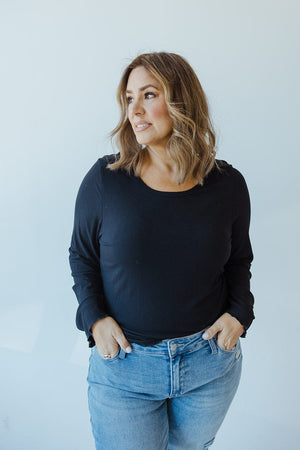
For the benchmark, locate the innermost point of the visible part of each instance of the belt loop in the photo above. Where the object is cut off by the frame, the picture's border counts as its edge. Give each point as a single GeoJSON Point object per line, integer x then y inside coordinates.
{"type": "Point", "coordinates": [213, 346]}
{"type": "Point", "coordinates": [122, 354]}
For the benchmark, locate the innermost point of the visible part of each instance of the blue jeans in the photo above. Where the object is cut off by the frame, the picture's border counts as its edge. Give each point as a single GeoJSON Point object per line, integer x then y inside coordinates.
{"type": "Point", "coordinates": [172, 395]}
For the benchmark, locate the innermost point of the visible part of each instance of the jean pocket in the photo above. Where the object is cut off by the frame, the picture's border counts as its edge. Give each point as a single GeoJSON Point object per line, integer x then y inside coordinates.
{"type": "Point", "coordinates": [112, 358]}
{"type": "Point", "coordinates": [222, 350]}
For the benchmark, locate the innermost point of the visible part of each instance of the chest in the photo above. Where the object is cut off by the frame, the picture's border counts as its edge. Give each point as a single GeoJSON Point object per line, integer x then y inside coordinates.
{"type": "Point", "coordinates": [136, 226]}
{"type": "Point", "coordinates": [163, 182]}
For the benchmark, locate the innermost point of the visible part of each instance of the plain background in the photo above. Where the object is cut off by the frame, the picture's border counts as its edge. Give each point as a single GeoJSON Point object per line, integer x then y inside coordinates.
{"type": "Point", "coordinates": [61, 62]}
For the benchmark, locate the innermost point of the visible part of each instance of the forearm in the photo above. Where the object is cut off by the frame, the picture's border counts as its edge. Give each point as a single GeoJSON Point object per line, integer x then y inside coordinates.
{"type": "Point", "coordinates": [240, 298]}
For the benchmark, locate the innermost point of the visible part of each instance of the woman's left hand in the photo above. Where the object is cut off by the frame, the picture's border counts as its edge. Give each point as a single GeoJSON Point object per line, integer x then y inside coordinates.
{"type": "Point", "coordinates": [229, 330]}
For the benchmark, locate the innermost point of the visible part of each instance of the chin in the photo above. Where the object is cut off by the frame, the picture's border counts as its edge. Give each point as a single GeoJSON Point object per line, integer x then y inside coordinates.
{"type": "Point", "coordinates": [144, 143]}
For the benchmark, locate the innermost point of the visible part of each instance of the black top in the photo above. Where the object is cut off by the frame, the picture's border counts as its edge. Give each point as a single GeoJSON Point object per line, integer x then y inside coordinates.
{"type": "Point", "coordinates": [162, 264]}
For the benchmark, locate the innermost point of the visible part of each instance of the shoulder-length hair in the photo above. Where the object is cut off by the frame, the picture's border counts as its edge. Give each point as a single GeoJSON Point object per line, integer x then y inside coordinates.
{"type": "Point", "coordinates": [191, 145]}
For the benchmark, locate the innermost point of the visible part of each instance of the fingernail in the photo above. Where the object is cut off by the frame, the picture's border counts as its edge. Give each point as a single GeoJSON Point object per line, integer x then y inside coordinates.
{"type": "Point", "coordinates": [205, 336]}
{"type": "Point", "coordinates": [128, 349]}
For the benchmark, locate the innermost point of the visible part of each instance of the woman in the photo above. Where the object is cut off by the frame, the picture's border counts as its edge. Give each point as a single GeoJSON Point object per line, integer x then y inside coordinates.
{"type": "Point", "coordinates": [160, 256]}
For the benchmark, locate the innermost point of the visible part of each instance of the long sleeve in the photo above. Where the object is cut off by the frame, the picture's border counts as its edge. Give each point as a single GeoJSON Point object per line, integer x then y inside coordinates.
{"type": "Point", "coordinates": [237, 268]}
{"type": "Point", "coordinates": [84, 252]}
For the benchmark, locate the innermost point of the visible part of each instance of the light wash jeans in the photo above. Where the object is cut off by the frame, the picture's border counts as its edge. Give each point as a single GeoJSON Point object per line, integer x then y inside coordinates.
{"type": "Point", "coordinates": [172, 395]}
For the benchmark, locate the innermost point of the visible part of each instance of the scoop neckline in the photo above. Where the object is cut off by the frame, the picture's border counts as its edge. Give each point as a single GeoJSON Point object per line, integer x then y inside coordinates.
{"type": "Point", "coordinates": [167, 193]}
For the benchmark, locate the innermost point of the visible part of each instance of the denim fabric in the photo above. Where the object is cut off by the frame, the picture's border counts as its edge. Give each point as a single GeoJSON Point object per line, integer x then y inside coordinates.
{"type": "Point", "coordinates": [172, 395]}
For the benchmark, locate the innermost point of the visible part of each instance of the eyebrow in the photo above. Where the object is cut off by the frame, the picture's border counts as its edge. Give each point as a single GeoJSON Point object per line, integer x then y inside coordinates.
{"type": "Point", "coordinates": [142, 88]}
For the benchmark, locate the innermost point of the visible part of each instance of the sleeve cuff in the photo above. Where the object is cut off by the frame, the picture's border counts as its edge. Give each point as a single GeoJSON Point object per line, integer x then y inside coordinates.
{"type": "Point", "coordinates": [87, 314]}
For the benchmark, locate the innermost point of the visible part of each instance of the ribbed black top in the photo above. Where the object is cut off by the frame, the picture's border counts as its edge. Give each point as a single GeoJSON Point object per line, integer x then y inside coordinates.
{"type": "Point", "coordinates": [162, 264]}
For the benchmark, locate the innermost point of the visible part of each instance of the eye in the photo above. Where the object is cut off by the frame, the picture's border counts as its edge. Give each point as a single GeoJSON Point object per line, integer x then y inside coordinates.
{"type": "Point", "coordinates": [149, 93]}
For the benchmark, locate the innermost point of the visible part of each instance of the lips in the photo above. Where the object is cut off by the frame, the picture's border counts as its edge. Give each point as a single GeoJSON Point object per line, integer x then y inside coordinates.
{"type": "Point", "coordinates": [140, 126]}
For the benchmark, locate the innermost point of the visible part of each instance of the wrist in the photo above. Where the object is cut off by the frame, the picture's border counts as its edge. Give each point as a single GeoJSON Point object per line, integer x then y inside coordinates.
{"type": "Point", "coordinates": [95, 324]}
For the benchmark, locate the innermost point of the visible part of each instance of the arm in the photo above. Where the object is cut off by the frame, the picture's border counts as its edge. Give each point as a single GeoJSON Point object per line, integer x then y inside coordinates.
{"type": "Point", "coordinates": [239, 314]}
{"type": "Point", "coordinates": [237, 268]}
{"type": "Point", "coordinates": [84, 252]}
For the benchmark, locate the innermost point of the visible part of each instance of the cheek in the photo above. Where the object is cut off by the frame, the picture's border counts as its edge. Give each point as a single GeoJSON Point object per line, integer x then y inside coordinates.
{"type": "Point", "coordinates": [131, 120]}
{"type": "Point", "coordinates": [160, 112]}
{"type": "Point", "coordinates": [129, 115]}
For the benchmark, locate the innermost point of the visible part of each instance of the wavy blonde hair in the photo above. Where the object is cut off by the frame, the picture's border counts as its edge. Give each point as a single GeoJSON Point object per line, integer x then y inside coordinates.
{"type": "Point", "coordinates": [192, 142]}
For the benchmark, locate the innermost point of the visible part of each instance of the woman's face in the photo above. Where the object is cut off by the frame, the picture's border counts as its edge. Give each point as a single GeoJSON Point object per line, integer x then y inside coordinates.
{"type": "Point", "coordinates": [147, 109]}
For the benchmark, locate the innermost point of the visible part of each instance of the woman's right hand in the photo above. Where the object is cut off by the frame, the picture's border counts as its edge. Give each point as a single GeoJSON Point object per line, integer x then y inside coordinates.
{"type": "Point", "coordinates": [108, 336]}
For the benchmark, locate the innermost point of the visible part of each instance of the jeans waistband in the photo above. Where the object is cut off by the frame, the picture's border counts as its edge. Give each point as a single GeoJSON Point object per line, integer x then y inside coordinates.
{"type": "Point", "coordinates": [175, 345]}
{"type": "Point", "coordinates": [184, 338]}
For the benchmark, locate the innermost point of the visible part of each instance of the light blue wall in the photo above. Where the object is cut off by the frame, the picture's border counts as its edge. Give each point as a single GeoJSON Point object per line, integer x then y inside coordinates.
{"type": "Point", "coordinates": [60, 65]}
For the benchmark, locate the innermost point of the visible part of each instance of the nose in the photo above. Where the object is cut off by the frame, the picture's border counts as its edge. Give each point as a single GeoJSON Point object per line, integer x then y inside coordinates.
{"type": "Point", "coordinates": [137, 108]}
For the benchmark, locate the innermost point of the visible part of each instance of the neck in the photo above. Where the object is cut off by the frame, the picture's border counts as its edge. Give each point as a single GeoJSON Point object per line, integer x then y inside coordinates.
{"type": "Point", "coordinates": [157, 158]}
